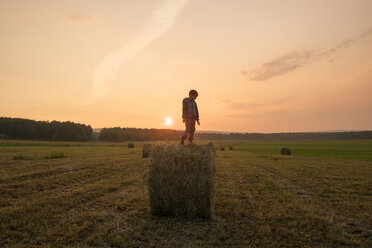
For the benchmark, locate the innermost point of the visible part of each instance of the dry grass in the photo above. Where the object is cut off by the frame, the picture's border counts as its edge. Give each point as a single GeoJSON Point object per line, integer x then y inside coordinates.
{"type": "Point", "coordinates": [55, 155]}
{"type": "Point", "coordinates": [97, 197]}
{"type": "Point", "coordinates": [20, 157]}
{"type": "Point", "coordinates": [181, 180]}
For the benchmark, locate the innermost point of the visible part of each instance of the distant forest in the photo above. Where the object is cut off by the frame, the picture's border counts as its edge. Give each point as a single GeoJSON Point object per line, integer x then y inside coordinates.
{"type": "Point", "coordinates": [17, 128]}
{"type": "Point", "coordinates": [138, 134]}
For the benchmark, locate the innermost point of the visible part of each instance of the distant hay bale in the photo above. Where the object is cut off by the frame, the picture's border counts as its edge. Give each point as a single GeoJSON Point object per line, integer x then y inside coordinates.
{"type": "Point", "coordinates": [231, 148]}
{"type": "Point", "coordinates": [222, 148]}
{"type": "Point", "coordinates": [130, 145]}
{"type": "Point", "coordinates": [285, 151]}
{"type": "Point", "coordinates": [146, 150]}
{"type": "Point", "coordinates": [181, 180]}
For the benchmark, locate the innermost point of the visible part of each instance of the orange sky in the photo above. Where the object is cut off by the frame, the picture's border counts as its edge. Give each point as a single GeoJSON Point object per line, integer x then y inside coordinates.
{"type": "Point", "coordinates": [258, 65]}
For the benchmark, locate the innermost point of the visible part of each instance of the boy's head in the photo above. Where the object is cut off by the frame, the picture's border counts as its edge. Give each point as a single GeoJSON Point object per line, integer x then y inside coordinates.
{"type": "Point", "coordinates": [193, 94]}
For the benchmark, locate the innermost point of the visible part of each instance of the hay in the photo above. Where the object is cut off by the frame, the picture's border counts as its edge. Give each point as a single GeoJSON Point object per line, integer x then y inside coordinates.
{"type": "Point", "coordinates": [130, 145]}
{"type": "Point", "coordinates": [181, 180]}
{"type": "Point", "coordinates": [285, 151]}
{"type": "Point", "coordinates": [146, 150]}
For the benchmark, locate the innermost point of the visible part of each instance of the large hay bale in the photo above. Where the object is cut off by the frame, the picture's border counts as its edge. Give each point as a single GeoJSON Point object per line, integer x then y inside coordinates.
{"type": "Point", "coordinates": [146, 150]}
{"type": "Point", "coordinates": [181, 180]}
{"type": "Point", "coordinates": [285, 151]}
{"type": "Point", "coordinates": [130, 145]}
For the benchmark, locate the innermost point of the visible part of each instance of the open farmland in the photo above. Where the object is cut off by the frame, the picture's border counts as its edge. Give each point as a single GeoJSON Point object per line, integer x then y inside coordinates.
{"type": "Point", "coordinates": [95, 195]}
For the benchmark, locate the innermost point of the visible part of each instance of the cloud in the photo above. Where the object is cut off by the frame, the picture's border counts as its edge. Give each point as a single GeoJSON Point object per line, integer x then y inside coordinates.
{"type": "Point", "coordinates": [79, 18]}
{"type": "Point", "coordinates": [294, 60]}
{"type": "Point", "coordinates": [281, 65]}
{"type": "Point", "coordinates": [161, 21]}
{"type": "Point", "coordinates": [240, 105]}
{"type": "Point", "coordinates": [343, 45]}
{"type": "Point", "coordinates": [227, 101]}
{"type": "Point", "coordinates": [261, 104]}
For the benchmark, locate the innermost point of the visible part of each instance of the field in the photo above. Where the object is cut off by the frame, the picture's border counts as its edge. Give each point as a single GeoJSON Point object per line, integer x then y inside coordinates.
{"type": "Point", "coordinates": [95, 195]}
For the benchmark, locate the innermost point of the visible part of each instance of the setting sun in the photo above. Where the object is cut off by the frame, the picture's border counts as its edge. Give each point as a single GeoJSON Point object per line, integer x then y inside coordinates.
{"type": "Point", "coordinates": [168, 121]}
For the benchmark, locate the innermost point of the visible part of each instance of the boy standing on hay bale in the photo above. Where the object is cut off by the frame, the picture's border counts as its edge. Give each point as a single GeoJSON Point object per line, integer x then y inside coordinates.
{"type": "Point", "coordinates": [190, 114]}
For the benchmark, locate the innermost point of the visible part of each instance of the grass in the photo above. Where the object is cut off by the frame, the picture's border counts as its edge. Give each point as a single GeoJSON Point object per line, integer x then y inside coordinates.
{"type": "Point", "coordinates": [97, 197]}
{"type": "Point", "coordinates": [19, 157]}
{"type": "Point", "coordinates": [349, 149]}
{"type": "Point", "coordinates": [52, 155]}
{"type": "Point", "coordinates": [55, 155]}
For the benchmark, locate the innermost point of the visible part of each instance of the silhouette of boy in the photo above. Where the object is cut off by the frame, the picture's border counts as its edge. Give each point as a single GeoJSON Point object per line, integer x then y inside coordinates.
{"type": "Point", "coordinates": [190, 114]}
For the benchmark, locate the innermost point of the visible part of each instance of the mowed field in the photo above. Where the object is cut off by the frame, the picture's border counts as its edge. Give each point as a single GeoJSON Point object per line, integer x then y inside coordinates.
{"type": "Point", "coordinates": [57, 194]}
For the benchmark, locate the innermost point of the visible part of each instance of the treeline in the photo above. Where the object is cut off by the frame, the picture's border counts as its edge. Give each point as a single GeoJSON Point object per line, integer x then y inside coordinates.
{"type": "Point", "coordinates": [139, 134]}
{"type": "Point", "coordinates": [287, 136]}
{"type": "Point", "coordinates": [17, 128]}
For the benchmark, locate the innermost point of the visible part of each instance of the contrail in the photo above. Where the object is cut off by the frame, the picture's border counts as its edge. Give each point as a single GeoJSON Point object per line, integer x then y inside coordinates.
{"type": "Point", "coordinates": [161, 21]}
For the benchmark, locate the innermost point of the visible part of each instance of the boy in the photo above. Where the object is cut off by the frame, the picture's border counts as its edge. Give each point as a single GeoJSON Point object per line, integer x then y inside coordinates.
{"type": "Point", "coordinates": [190, 114]}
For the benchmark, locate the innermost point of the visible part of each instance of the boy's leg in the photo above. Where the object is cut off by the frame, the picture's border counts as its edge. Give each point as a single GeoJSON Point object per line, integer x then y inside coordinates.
{"type": "Point", "coordinates": [192, 130]}
{"type": "Point", "coordinates": [187, 130]}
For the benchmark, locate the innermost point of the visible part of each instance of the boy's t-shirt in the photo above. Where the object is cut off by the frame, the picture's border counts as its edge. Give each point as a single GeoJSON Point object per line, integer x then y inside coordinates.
{"type": "Point", "coordinates": [189, 109]}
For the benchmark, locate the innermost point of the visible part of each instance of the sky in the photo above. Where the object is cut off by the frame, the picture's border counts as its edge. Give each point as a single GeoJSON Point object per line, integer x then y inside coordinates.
{"type": "Point", "coordinates": [258, 65]}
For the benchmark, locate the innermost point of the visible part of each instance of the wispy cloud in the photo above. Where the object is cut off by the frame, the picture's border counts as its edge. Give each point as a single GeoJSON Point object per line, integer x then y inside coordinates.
{"type": "Point", "coordinates": [291, 61]}
{"type": "Point", "coordinates": [281, 65]}
{"type": "Point", "coordinates": [259, 104]}
{"type": "Point", "coordinates": [79, 18]}
{"type": "Point", "coordinates": [161, 21]}
{"type": "Point", "coordinates": [343, 45]}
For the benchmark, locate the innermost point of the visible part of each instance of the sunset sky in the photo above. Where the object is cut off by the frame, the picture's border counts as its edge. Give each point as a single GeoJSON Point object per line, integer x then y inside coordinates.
{"type": "Point", "coordinates": [258, 65]}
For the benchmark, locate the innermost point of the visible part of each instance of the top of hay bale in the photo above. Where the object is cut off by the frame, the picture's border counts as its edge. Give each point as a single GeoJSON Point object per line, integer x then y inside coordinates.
{"type": "Point", "coordinates": [181, 180]}
{"type": "Point", "coordinates": [190, 155]}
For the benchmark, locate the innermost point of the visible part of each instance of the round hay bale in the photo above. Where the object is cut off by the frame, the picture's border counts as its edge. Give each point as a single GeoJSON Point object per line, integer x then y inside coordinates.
{"type": "Point", "coordinates": [231, 148]}
{"type": "Point", "coordinates": [146, 150]}
{"type": "Point", "coordinates": [181, 180]}
{"type": "Point", "coordinates": [130, 145]}
{"type": "Point", "coordinates": [285, 151]}
{"type": "Point", "coordinates": [222, 148]}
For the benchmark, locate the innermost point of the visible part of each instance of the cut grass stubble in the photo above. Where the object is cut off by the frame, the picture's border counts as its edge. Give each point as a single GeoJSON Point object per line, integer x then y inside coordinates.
{"type": "Point", "coordinates": [52, 155]}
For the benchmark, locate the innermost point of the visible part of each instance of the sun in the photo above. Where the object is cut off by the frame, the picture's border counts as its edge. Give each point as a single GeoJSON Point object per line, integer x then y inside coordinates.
{"type": "Point", "coordinates": [168, 121]}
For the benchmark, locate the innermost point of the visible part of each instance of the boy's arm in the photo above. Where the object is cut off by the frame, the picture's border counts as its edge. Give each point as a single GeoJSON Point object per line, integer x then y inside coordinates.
{"type": "Point", "coordinates": [197, 112]}
{"type": "Point", "coordinates": [184, 109]}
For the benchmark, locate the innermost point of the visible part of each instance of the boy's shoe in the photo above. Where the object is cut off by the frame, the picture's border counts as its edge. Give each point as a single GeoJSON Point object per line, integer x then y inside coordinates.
{"type": "Point", "coordinates": [182, 143]}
